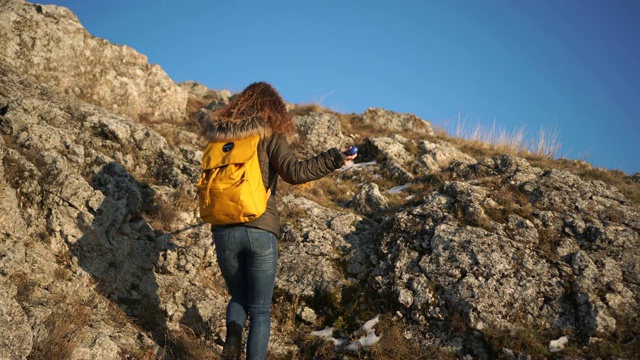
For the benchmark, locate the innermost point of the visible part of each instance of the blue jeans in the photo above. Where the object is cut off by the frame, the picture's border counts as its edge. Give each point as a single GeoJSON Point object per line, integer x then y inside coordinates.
{"type": "Point", "coordinates": [248, 259]}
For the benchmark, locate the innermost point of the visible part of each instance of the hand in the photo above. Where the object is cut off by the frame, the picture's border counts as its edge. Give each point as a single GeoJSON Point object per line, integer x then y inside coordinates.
{"type": "Point", "coordinates": [347, 158]}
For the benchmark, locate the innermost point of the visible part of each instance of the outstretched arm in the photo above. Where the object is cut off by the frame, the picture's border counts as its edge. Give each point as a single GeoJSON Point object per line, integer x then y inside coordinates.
{"type": "Point", "coordinates": [295, 171]}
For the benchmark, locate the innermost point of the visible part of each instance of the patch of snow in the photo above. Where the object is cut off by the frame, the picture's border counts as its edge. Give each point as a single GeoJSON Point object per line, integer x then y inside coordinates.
{"type": "Point", "coordinates": [370, 163]}
{"type": "Point", "coordinates": [368, 326]}
{"type": "Point", "coordinates": [351, 164]}
{"type": "Point", "coordinates": [368, 339]}
{"type": "Point", "coordinates": [558, 345]}
{"type": "Point", "coordinates": [327, 333]}
{"type": "Point", "coordinates": [397, 189]}
{"type": "Point", "coordinates": [353, 347]}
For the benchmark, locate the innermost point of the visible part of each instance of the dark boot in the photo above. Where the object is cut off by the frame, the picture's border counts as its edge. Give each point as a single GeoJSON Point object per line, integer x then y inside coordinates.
{"type": "Point", "coordinates": [233, 344]}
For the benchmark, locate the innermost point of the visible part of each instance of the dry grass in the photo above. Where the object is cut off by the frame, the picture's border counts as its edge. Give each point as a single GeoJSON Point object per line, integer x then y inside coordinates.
{"type": "Point", "coordinates": [548, 239]}
{"type": "Point", "coordinates": [624, 343]}
{"type": "Point", "coordinates": [15, 171]}
{"type": "Point", "coordinates": [353, 124]}
{"type": "Point", "coordinates": [615, 349]}
{"type": "Point", "coordinates": [458, 321]}
{"type": "Point", "coordinates": [116, 316]}
{"type": "Point", "coordinates": [142, 353]}
{"type": "Point", "coordinates": [541, 155]}
{"type": "Point", "coordinates": [393, 345]}
{"type": "Point", "coordinates": [194, 104]}
{"type": "Point", "coordinates": [64, 333]}
{"type": "Point", "coordinates": [533, 340]}
{"type": "Point", "coordinates": [163, 216]}
{"type": "Point", "coordinates": [530, 340]}
{"type": "Point", "coordinates": [501, 138]}
{"type": "Point", "coordinates": [64, 262]}
{"type": "Point", "coordinates": [325, 192]}
{"type": "Point", "coordinates": [24, 285]}
{"type": "Point", "coordinates": [515, 141]}
{"type": "Point", "coordinates": [185, 345]}
{"type": "Point", "coordinates": [314, 347]}
{"type": "Point", "coordinates": [345, 311]}
{"type": "Point", "coordinates": [615, 178]}
{"type": "Point", "coordinates": [306, 109]}
{"type": "Point", "coordinates": [43, 236]}
{"type": "Point", "coordinates": [511, 201]}
{"type": "Point", "coordinates": [171, 134]}
{"type": "Point", "coordinates": [185, 201]}
{"type": "Point", "coordinates": [284, 311]}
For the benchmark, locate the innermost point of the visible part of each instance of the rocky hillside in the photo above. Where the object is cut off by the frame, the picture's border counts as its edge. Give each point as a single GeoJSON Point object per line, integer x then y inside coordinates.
{"type": "Point", "coordinates": [422, 249]}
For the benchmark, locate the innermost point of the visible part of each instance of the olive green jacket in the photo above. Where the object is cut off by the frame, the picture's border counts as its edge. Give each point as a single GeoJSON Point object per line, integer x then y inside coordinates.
{"type": "Point", "coordinates": [277, 159]}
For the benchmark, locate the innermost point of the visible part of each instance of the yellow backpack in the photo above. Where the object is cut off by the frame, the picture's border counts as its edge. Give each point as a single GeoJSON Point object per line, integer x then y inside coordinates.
{"type": "Point", "coordinates": [231, 190]}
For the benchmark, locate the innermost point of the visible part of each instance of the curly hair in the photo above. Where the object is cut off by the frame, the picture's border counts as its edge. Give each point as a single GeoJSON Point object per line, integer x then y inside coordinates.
{"type": "Point", "coordinates": [262, 100]}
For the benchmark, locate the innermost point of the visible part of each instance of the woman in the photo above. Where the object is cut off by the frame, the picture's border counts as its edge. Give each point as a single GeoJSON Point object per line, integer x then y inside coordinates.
{"type": "Point", "coordinates": [247, 252]}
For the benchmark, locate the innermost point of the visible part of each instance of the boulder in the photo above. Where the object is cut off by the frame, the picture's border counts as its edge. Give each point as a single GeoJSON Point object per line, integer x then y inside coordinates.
{"type": "Point", "coordinates": [393, 155]}
{"type": "Point", "coordinates": [394, 122]}
{"type": "Point", "coordinates": [16, 337]}
{"type": "Point", "coordinates": [438, 155]}
{"type": "Point", "coordinates": [314, 242]}
{"type": "Point", "coordinates": [39, 41]}
{"type": "Point", "coordinates": [368, 200]}
{"type": "Point", "coordinates": [318, 132]}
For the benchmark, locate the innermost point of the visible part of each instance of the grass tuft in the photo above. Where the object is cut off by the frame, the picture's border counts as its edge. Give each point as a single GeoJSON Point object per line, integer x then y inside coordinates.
{"type": "Point", "coordinates": [163, 216]}
{"type": "Point", "coordinates": [529, 341]}
{"type": "Point", "coordinates": [64, 333]}
{"type": "Point", "coordinates": [306, 109]}
{"type": "Point", "coordinates": [184, 344]}
{"type": "Point", "coordinates": [516, 141]}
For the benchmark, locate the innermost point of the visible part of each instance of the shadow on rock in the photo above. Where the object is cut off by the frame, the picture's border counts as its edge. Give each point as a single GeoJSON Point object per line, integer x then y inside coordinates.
{"type": "Point", "coordinates": [119, 249]}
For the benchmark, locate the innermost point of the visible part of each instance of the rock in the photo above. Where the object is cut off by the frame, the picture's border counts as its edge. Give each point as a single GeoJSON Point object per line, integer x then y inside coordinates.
{"type": "Point", "coordinates": [593, 314]}
{"type": "Point", "coordinates": [39, 40]}
{"type": "Point", "coordinates": [513, 170]}
{"type": "Point", "coordinates": [557, 189]}
{"type": "Point", "coordinates": [16, 337]}
{"type": "Point", "coordinates": [435, 156]}
{"type": "Point", "coordinates": [369, 200]}
{"type": "Point", "coordinates": [393, 154]}
{"type": "Point", "coordinates": [392, 147]}
{"type": "Point", "coordinates": [100, 240]}
{"type": "Point", "coordinates": [202, 100]}
{"type": "Point", "coordinates": [204, 93]}
{"type": "Point", "coordinates": [521, 230]}
{"type": "Point", "coordinates": [313, 242]}
{"type": "Point", "coordinates": [307, 314]}
{"type": "Point", "coordinates": [439, 241]}
{"type": "Point", "coordinates": [394, 122]}
{"type": "Point", "coordinates": [319, 131]}
{"type": "Point", "coordinates": [496, 260]}
{"type": "Point", "coordinates": [101, 347]}
{"type": "Point", "coordinates": [90, 228]}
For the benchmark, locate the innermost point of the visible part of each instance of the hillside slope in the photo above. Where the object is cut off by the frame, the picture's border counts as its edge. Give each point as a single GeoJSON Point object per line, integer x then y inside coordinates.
{"type": "Point", "coordinates": [103, 256]}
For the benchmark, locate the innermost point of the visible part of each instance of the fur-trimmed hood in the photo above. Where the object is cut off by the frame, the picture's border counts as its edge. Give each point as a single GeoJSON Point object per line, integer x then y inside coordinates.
{"type": "Point", "coordinates": [227, 130]}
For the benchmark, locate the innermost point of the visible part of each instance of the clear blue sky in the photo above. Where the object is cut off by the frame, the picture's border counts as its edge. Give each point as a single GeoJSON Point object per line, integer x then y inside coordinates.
{"type": "Point", "coordinates": [573, 65]}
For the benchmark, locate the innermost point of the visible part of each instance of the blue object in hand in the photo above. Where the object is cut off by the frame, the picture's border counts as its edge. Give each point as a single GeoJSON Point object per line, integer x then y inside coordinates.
{"type": "Point", "coordinates": [352, 151]}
